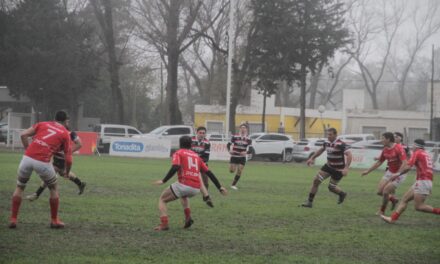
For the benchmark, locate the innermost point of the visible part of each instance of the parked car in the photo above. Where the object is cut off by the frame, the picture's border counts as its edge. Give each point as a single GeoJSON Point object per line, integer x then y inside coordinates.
{"type": "Point", "coordinates": [353, 138]}
{"type": "Point", "coordinates": [3, 132]}
{"type": "Point", "coordinates": [271, 145]}
{"type": "Point", "coordinates": [172, 133]}
{"type": "Point", "coordinates": [368, 144]}
{"type": "Point", "coordinates": [107, 131]}
{"type": "Point", "coordinates": [217, 137]}
{"type": "Point", "coordinates": [305, 148]}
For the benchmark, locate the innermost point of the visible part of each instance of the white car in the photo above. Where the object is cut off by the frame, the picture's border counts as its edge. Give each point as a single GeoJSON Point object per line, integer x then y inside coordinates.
{"type": "Point", "coordinates": [305, 148]}
{"type": "Point", "coordinates": [271, 145]}
{"type": "Point", "coordinates": [107, 131]}
{"type": "Point", "coordinates": [173, 133]}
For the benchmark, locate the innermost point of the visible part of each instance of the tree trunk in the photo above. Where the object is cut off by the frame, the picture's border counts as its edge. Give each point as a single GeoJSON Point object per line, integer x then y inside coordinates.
{"type": "Point", "coordinates": [113, 67]}
{"type": "Point", "coordinates": [314, 86]}
{"type": "Point", "coordinates": [174, 116]}
{"type": "Point", "coordinates": [263, 117]}
{"type": "Point", "coordinates": [302, 128]}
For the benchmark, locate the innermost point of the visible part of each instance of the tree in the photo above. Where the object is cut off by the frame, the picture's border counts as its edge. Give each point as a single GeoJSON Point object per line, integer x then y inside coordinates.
{"type": "Point", "coordinates": [171, 40]}
{"type": "Point", "coordinates": [365, 27]}
{"type": "Point", "coordinates": [103, 10]}
{"type": "Point", "coordinates": [46, 55]}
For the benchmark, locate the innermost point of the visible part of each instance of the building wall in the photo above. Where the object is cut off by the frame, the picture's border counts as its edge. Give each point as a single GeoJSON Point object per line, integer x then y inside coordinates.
{"type": "Point", "coordinates": [314, 126]}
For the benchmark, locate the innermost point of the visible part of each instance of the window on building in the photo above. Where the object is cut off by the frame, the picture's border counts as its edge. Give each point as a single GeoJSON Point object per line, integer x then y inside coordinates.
{"type": "Point", "coordinates": [214, 127]}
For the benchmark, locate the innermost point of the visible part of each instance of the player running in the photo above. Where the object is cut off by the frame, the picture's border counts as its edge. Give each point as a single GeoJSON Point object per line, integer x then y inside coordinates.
{"type": "Point", "coordinates": [421, 189]}
{"type": "Point", "coordinates": [58, 165]}
{"type": "Point", "coordinates": [200, 145]}
{"type": "Point", "coordinates": [188, 166]}
{"type": "Point", "coordinates": [338, 162]}
{"type": "Point", "coordinates": [48, 138]}
{"type": "Point", "coordinates": [240, 147]}
{"type": "Point", "coordinates": [395, 156]}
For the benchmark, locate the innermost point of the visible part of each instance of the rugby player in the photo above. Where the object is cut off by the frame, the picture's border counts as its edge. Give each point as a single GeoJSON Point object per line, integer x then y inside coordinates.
{"type": "Point", "coordinates": [422, 188]}
{"type": "Point", "coordinates": [200, 145]}
{"type": "Point", "coordinates": [188, 166]}
{"type": "Point", "coordinates": [338, 162]}
{"type": "Point", "coordinates": [58, 165]}
{"type": "Point", "coordinates": [395, 156]}
{"type": "Point", "coordinates": [48, 139]}
{"type": "Point", "coordinates": [240, 148]}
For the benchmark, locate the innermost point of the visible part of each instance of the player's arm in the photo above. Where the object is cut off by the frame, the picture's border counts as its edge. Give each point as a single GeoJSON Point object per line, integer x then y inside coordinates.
{"type": "Point", "coordinates": [77, 146]}
{"type": "Point", "coordinates": [206, 153]}
{"type": "Point", "coordinates": [67, 155]}
{"type": "Point", "coordinates": [372, 168]}
{"type": "Point", "coordinates": [348, 159]}
{"type": "Point", "coordinates": [214, 179]}
{"type": "Point", "coordinates": [174, 168]}
{"type": "Point", "coordinates": [25, 135]}
{"type": "Point", "coordinates": [315, 155]}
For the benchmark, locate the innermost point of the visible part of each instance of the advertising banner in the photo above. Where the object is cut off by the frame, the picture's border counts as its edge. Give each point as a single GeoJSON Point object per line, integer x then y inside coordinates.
{"type": "Point", "coordinates": [140, 147]}
{"type": "Point", "coordinates": [219, 151]}
{"type": "Point", "coordinates": [88, 140]}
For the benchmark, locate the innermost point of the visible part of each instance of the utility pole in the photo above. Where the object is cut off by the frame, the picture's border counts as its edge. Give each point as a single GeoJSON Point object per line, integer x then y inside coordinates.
{"type": "Point", "coordinates": [431, 123]}
{"type": "Point", "coordinates": [230, 55]}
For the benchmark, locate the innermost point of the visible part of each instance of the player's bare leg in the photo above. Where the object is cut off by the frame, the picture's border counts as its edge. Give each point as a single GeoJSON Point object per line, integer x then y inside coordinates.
{"type": "Point", "coordinates": [166, 196]}
{"type": "Point", "coordinates": [388, 189]}
{"type": "Point", "coordinates": [419, 204]}
{"type": "Point", "coordinates": [232, 167]}
{"type": "Point", "coordinates": [54, 202]}
{"type": "Point", "coordinates": [15, 207]}
{"type": "Point", "coordinates": [205, 195]}
{"type": "Point", "coordinates": [81, 184]}
{"type": "Point", "coordinates": [187, 211]}
{"type": "Point", "coordinates": [407, 197]}
{"type": "Point", "coordinates": [380, 189]}
{"type": "Point", "coordinates": [334, 188]}
{"type": "Point", "coordinates": [317, 180]}
{"type": "Point", "coordinates": [240, 168]}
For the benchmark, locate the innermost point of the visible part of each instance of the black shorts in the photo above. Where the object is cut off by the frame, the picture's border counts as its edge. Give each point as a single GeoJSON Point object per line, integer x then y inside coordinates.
{"type": "Point", "coordinates": [334, 174]}
{"type": "Point", "coordinates": [238, 160]}
{"type": "Point", "coordinates": [59, 163]}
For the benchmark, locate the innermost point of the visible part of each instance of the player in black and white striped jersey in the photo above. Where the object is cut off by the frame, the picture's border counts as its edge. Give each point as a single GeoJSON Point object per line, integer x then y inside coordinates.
{"type": "Point", "coordinates": [240, 147]}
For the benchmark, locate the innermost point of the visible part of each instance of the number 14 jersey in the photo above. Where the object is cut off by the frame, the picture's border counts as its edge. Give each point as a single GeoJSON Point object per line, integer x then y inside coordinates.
{"type": "Point", "coordinates": [190, 167]}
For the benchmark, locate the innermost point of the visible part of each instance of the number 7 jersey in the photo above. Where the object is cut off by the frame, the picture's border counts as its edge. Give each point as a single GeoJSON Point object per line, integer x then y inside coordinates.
{"type": "Point", "coordinates": [190, 167]}
{"type": "Point", "coordinates": [49, 138]}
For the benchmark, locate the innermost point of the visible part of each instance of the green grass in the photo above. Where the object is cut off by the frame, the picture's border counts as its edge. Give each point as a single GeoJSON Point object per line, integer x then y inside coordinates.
{"type": "Point", "coordinates": [261, 223]}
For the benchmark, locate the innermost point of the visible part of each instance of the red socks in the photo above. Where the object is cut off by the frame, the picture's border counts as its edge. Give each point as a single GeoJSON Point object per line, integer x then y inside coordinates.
{"type": "Point", "coordinates": [395, 216]}
{"type": "Point", "coordinates": [16, 202]}
{"type": "Point", "coordinates": [187, 213]}
{"type": "Point", "coordinates": [436, 211]}
{"type": "Point", "coordinates": [164, 221]}
{"type": "Point", "coordinates": [392, 199]}
{"type": "Point", "coordinates": [54, 203]}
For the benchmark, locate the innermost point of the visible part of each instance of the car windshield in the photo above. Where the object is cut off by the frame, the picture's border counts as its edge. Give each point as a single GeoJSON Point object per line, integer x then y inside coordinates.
{"type": "Point", "coordinates": [255, 136]}
{"type": "Point", "coordinates": [303, 143]}
{"type": "Point", "coordinates": [158, 130]}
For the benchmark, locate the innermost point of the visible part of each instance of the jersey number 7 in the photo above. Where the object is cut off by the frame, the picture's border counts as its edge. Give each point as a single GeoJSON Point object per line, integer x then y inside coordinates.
{"type": "Point", "coordinates": [51, 133]}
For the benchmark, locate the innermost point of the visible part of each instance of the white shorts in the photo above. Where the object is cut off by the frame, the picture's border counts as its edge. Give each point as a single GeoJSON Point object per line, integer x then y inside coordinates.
{"type": "Point", "coordinates": [44, 169]}
{"type": "Point", "coordinates": [182, 190]}
{"type": "Point", "coordinates": [397, 181]}
{"type": "Point", "coordinates": [422, 187]}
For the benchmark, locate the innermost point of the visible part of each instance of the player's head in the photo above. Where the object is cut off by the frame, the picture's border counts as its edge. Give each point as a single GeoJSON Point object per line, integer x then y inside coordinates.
{"type": "Point", "coordinates": [398, 137]}
{"type": "Point", "coordinates": [201, 132]}
{"type": "Point", "coordinates": [387, 138]}
{"type": "Point", "coordinates": [243, 129]}
{"type": "Point", "coordinates": [419, 144]}
{"type": "Point", "coordinates": [61, 117]}
{"type": "Point", "coordinates": [332, 133]}
{"type": "Point", "coordinates": [185, 142]}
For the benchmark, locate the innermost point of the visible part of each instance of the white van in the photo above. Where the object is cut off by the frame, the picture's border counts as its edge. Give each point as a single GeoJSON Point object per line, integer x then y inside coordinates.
{"type": "Point", "coordinates": [353, 138]}
{"type": "Point", "coordinates": [172, 132]}
{"type": "Point", "coordinates": [107, 131]}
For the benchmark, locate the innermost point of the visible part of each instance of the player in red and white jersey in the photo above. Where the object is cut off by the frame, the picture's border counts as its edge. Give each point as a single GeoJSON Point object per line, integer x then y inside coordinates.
{"type": "Point", "coordinates": [47, 139]}
{"type": "Point", "coordinates": [338, 162]}
{"type": "Point", "coordinates": [188, 166]}
{"type": "Point", "coordinates": [422, 188]}
{"type": "Point", "coordinates": [59, 164]}
{"type": "Point", "coordinates": [240, 147]}
{"type": "Point", "coordinates": [395, 156]}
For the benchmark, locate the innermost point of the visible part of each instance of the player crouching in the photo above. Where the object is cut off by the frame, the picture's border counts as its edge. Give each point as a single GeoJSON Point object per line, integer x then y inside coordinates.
{"type": "Point", "coordinates": [188, 166]}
